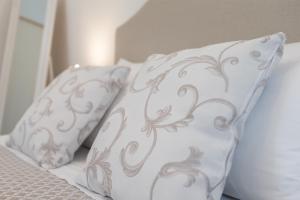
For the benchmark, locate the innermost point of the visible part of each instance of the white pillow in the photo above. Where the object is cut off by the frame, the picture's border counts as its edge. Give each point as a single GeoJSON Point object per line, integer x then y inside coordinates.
{"type": "Point", "coordinates": [267, 161]}
{"type": "Point", "coordinates": [56, 124]}
{"type": "Point", "coordinates": [173, 135]}
{"type": "Point", "coordinates": [134, 68]}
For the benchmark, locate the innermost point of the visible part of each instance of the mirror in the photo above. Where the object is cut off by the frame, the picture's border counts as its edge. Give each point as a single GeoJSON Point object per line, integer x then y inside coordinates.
{"type": "Point", "coordinates": [26, 58]}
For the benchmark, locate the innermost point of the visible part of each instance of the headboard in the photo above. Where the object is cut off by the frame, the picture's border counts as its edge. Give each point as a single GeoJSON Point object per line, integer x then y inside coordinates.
{"type": "Point", "coordinates": [164, 26]}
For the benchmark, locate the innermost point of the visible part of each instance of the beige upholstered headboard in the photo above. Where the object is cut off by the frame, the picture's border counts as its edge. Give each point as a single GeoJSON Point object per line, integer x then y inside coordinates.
{"type": "Point", "coordinates": [164, 26]}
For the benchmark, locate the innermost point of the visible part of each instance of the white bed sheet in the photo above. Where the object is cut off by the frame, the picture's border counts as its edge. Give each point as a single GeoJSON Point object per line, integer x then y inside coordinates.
{"type": "Point", "coordinates": [67, 172]}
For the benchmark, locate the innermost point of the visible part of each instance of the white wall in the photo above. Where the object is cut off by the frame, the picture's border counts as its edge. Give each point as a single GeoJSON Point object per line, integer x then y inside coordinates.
{"type": "Point", "coordinates": [5, 6]}
{"type": "Point", "coordinates": [85, 30]}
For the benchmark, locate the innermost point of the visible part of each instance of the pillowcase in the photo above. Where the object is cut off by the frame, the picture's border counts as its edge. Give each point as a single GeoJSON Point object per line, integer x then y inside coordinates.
{"type": "Point", "coordinates": [134, 67]}
{"type": "Point", "coordinates": [56, 124]}
{"type": "Point", "coordinates": [267, 160]}
{"type": "Point", "coordinates": [173, 135]}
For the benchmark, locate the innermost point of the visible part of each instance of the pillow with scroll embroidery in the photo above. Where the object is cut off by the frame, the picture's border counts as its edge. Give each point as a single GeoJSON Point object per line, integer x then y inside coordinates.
{"type": "Point", "coordinates": [56, 124]}
{"type": "Point", "coordinates": [173, 135]}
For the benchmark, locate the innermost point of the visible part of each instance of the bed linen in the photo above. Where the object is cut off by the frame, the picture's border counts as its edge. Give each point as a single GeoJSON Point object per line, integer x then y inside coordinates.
{"type": "Point", "coordinates": [63, 177]}
{"type": "Point", "coordinates": [20, 180]}
{"type": "Point", "coordinates": [59, 120]}
{"type": "Point", "coordinates": [158, 139]}
{"type": "Point", "coordinates": [271, 139]}
{"type": "Point", "coordinates": [134, 68]}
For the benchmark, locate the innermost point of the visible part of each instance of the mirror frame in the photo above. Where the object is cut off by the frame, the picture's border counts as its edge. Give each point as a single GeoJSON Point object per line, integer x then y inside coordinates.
{"type": "Point", "coordinates": [44, 58]}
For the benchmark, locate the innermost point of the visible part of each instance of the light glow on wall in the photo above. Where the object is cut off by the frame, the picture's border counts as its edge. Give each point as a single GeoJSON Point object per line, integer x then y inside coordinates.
{"type": "Point", "coordinates": [85, 31]}
{"type": "Point", "coordinates": [100, 47]}
{"type": "Point", "coordinates": [76, 66]}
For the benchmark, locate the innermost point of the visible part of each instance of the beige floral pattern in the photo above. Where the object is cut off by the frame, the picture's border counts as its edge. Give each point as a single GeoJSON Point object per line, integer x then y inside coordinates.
{"type": "Point", "coordinates": [196, 100]}
{"type": "Point", "coordinates": [57, 123]}
{"type": "Point", "coordinates": [189, 167]}
{"type": "Point", "coordinates": [98, 159]}
{"type": "Point", "coordinates": [215, 66]}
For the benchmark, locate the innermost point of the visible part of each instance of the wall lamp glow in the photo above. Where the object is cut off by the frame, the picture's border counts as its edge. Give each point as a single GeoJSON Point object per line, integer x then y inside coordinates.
{"type": "Point", "coordinates": [76, 66]}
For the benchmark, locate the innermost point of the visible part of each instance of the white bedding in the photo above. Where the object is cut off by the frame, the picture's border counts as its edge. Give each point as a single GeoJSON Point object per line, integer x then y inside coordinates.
{"type": "Point", "coordinates": [67, 172]}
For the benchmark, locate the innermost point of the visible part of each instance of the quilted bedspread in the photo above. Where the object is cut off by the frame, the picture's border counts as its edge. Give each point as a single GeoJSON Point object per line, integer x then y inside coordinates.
{"type": "Point", "coordinates": [20, 180]}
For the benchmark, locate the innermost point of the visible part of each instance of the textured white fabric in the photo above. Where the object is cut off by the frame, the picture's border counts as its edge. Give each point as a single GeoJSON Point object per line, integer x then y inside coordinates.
{"type": "Point", "coordinates": [172, 136]}
{"type": "Point", "coordinates": [267, 161]}
{"type": "Point", "coordinates": [67, 172]}
{"type": "Point", "coordinates": [57, 122]}
{"type": "Point", "coordinates": [134, 67]}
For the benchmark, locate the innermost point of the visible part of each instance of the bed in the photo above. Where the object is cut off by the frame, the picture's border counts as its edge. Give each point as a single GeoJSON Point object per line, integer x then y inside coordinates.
{"type": "Point", "coordinates": [161, 26]}
{"type": "Point", "coordinates": [21, 178]}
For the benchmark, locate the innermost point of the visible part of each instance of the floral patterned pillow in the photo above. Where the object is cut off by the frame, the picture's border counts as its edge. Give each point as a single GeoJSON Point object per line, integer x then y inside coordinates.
{"type": "Point", "coordinates": [172, 137]}
{"type": "Point", "coordinates": [134, 68]}
{"type": "Point", "coordinates": [56, 124]}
